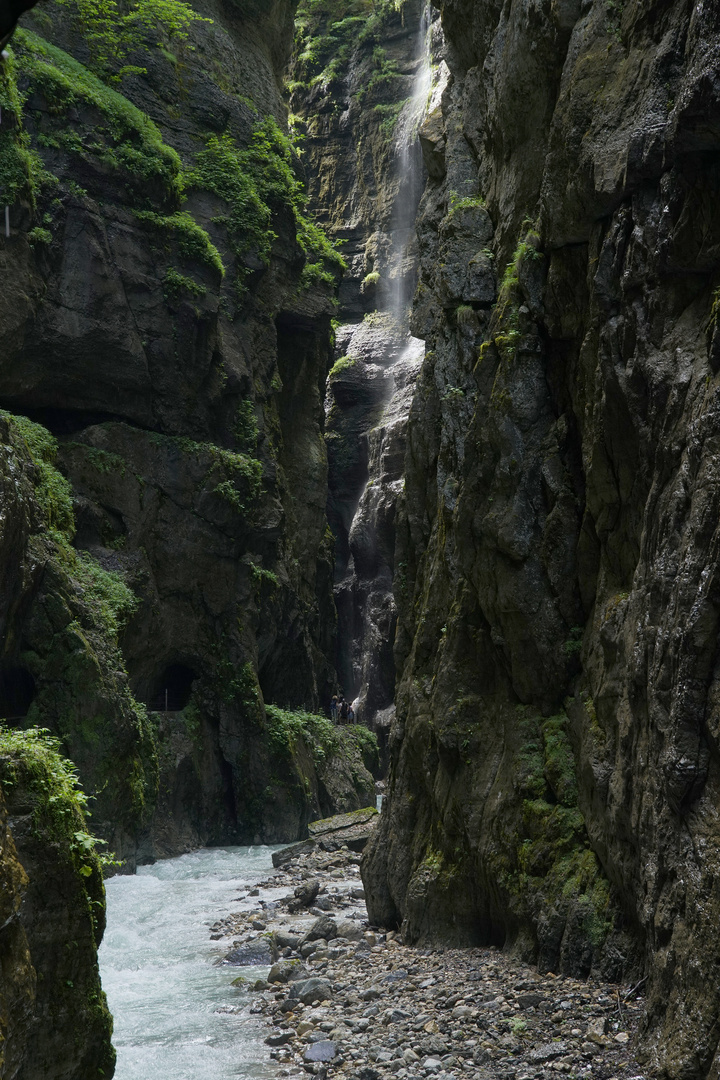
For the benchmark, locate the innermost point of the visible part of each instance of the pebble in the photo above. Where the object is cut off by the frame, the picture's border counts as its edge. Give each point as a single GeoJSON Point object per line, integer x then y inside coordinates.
{"type": "Point", "coordinates": [349, 1001]}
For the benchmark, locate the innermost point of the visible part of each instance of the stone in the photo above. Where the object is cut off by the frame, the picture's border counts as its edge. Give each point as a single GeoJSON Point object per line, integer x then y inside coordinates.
{"type": "Point", "coordinates": [432, 1065]}
{"type": "Point", "coordinates": [279, 1038]}
{"type": "Point", "coordinates": [260, 951]}
{"type": "Point", "coordinates": [596, 1031]}
{"type": "Point", "coordinates": [285, 971]}
{"type": "Point", "coordinates": [320, 1051]}
{"type": "Point", "coordinates": [307, 892]}
{"type": "Point", "coordinates": [288, 854]}
{"type": "Point", "coordinates": [311, 990]}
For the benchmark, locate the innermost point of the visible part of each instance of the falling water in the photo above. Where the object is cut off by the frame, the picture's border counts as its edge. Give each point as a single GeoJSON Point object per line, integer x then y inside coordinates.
{"type": "Point", "coordinates": [411, 176]}
{"type": "Point", "coordinates": [391, 360]}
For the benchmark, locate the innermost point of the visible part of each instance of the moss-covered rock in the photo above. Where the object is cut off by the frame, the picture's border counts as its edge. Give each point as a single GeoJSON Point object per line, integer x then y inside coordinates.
{"type": "Point", "coordinates": [66, 1026]}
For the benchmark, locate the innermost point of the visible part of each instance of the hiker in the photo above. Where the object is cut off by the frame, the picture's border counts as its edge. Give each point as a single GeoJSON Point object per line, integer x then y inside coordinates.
{"type": "Point", "coordinates": [334, 708]}
{"type": "Point", "coordinates": [343, 711]}
{"type": "Point", "coordinates": [350, 715]}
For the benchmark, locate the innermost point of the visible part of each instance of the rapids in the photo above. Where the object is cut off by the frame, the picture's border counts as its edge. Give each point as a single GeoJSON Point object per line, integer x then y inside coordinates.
{"type": "Point", "coordinates": [164, 990]}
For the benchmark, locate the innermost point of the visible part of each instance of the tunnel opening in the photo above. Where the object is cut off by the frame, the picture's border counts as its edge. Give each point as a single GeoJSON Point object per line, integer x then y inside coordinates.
{"type": "Point", "coordinates": [172, 689]}
{"type": "Point", "coordinates": [17, 691]}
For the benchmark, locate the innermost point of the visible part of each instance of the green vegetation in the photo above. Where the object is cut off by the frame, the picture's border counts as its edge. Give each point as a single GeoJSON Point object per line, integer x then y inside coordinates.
{"type": "Point", "coordinates": [113, 31]}
{"type": "Point", "coordinates": [573, 645]}
{"type": "Point", "coordinates": [52, 491]}
{"type": "Point", "coordinates": [246, 427]}
{"type": "Point", "coordinates": [175, 283]}
{"type": "Point", "coordinates": [366, 739]}
{"type": "Point", "coordinates": [262, 576]}
{"type": "Point", "coordinates": [101, 461]}
{"type": "Point", "coordinates": [344, 363]}
{"type": "Point", "coordinates": [31, 763]}
{"type": "Point", "coordinates": [39, 235]}
{"type": "Point", "coordinates": [192, 242]}
{"type": "Point", "coordinates": [286, 726]}
{"type": "Point", "coordinates": [326, 35]}
{"type": "Point", "coordinates": [123, 137]}
{"type": "Point", "coordinates": [72, 646]}
{"type": "Point", "coordinates": [389, 115]}
{"type": "Point", "coordinates": [258, 183]}
{"type": "Point", "coordinates": [549, 855]}
{"type": "Point", "coordinates": [459, 203]}
{"type": "Point", "coordinates": [22, 174]}
{"type": "Point", "coordinates": [111, 601]}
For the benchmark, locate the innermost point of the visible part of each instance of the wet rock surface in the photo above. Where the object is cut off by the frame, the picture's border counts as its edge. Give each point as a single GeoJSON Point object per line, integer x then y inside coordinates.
{"type": "Point", "coordinates": [554, 760]}
{"type": "Point", "coordinates": [351, 1000]}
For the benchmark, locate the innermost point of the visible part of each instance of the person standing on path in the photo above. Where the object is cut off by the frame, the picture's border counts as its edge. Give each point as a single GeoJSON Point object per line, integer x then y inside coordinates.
{"type": "Point", "coordinates": [350, 715]}
{"type": "Point", "coordinates": [334, 708]}
{"type": "Point", "coordinates": [343, 711]}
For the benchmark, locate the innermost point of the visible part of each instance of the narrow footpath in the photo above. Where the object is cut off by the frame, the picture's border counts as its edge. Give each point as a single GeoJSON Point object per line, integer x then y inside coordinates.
{"type": "Point", "coordinates": [342, 999]}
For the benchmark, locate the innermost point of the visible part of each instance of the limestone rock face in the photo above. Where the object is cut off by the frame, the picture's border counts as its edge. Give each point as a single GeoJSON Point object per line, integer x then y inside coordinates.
{"type": "Point", "coordinates": [554, 757]}
{"type": "Point", "coordinates": [179, 361]}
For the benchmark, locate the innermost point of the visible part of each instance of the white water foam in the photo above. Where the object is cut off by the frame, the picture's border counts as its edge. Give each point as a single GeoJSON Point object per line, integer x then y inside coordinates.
{"type": "Point", "coordinates": [157, 967]}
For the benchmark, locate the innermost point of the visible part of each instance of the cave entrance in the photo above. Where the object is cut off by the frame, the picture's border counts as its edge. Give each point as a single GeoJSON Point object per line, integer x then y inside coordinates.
{"type": "Point", "coordinates": [17, 690]}
{"type": "Point", "coordinates": [173, 689]}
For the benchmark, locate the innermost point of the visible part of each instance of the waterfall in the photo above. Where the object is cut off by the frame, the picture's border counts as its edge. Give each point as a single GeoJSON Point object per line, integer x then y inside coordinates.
{"type": "Point", "coordinates": [411, 175]}
{"type": "Point", "coordinates": [374, 393]}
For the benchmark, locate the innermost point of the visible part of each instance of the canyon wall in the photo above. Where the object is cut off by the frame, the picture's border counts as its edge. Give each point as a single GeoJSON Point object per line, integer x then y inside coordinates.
{"type": "Point", "coordinates": [54, 1020]}
{"type": "Point", "coordinates": [165, 335]}
{"type": "Point", "coordinates": [555, 758]}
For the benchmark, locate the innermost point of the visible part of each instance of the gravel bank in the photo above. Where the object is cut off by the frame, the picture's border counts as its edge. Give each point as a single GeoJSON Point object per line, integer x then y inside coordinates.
{"type": "Point", "coordinates": [344, 1000]}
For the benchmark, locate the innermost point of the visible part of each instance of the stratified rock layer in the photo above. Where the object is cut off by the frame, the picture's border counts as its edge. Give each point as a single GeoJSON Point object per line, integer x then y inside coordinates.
{"type": "Point", "coordinates": [554, 760]}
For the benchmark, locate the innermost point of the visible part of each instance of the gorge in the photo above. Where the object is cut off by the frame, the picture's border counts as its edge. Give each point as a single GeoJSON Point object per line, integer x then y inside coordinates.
{"type": "Point", "coordinates": [425, 413]}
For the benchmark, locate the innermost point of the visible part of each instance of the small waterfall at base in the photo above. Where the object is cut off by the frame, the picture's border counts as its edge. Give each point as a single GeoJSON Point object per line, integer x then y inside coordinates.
{"type": "Point", "coordinates": [373, 393]}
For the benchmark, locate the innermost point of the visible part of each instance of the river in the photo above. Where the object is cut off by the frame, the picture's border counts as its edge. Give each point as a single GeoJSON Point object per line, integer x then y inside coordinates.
{"type": "Point", "coordinates": [157, 967]}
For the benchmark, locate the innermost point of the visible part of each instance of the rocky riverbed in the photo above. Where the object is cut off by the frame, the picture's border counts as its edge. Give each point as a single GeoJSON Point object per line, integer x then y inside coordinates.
{"type": "Point", "coordinates": [344, 999]}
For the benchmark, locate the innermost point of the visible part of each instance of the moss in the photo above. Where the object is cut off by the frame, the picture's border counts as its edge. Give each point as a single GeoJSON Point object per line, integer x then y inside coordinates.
{"type": "Point", "coordinates": [286, 726]}
{"type": "Point", "coordinates": [547, 860]}
{"type": "Point", "coordinates": [257, 183]}
{"type": "Point", "coordinates": [344, 363]}
{"type": "Point", "coordinates": [559, 761]}
{"type": "Point", "coordinates": [193, 242]}
{"type": "Point", "coordinates": [262, 576]}
{"type": "Point", "coordinates": [234, 477]}
{"type": "Point", "coordinates": [122, 136]}
{"type": "Point", "coordinates": [458, 203]}
{"type": "Point", "coordinates": [246, 427]}
{"type": "Point", "coordinates": [101, 461]}
{"type": "Point", "coordinates": [39, 235]}
{"type": "Point", "coordinates": [71, 648]}
{"type": "Point", "coordinates": [175, 283]}
{"type": "Point", "coordinates": [22, 174]}
{"type": "Point", "coordinates": [573, 645]}
{"type": "Point", "coordinates": [52, 490]}
{"type": "Point", "coordinates": [388, 116]}
{"type": "Point", "coordinates": [110, 599]}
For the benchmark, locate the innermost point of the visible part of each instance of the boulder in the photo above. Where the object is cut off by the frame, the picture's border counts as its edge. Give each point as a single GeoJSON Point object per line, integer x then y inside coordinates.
{"type": "Point", "coordinates": [310, 991]}
{"type": "Point", "coordinates": [320, 1051]}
